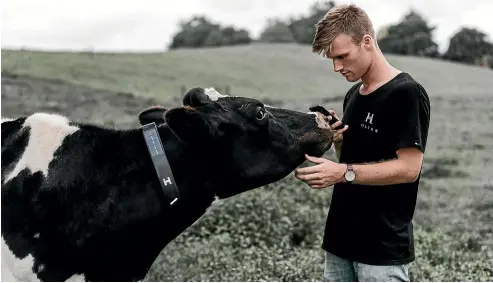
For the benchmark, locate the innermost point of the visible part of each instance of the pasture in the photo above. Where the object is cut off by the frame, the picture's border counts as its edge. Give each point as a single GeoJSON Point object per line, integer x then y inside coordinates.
{"type": "Point", "coordinates": [274, 233]}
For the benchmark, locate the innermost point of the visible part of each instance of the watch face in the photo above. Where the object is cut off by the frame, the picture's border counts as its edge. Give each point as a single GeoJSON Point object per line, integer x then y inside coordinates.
{"type": "Point", "coordinates": [350, 176]}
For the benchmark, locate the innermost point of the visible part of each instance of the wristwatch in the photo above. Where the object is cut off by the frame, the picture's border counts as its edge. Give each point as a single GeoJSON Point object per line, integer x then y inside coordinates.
{"type": "Point", "coordinates": [349, 175]}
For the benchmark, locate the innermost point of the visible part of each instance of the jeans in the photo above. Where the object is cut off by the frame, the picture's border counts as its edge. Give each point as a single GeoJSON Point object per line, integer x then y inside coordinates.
{"type": "Point", "coordinates": [339, 269]}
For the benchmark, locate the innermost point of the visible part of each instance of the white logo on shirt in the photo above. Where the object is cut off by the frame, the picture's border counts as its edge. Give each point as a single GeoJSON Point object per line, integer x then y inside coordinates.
{"type": "Point", "coordinates": [369, 122]}
{"type": "Point", "coordinates": [369, 117]}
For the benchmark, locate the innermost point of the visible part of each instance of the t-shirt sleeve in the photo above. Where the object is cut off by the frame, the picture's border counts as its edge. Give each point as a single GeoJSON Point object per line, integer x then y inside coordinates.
{"type": "Point", "coordinates": [413, 118]}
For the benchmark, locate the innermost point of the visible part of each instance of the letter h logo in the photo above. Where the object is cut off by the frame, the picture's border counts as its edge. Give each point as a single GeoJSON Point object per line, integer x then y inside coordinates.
{"type": "Point", "coordinates": [369, 118]}
{"type": "Point", "coordinates": [167, 181]}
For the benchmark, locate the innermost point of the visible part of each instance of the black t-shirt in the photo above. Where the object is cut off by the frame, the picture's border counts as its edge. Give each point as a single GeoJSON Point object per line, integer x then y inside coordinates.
{"type": "Point", "coordinates": [368, 223]}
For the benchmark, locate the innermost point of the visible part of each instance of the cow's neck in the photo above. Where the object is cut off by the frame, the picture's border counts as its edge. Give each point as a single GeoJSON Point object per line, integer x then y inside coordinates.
{"type": "Point", "coordinates": [130, 222]}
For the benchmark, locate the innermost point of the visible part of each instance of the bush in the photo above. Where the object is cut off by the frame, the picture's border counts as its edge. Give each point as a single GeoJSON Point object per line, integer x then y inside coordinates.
{"type": "Point", "coordinates": [275, 234]}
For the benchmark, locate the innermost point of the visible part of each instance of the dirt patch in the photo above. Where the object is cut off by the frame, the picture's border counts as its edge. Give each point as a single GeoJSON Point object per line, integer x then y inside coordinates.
{"type": "Point", "coordinates": [24, 95]}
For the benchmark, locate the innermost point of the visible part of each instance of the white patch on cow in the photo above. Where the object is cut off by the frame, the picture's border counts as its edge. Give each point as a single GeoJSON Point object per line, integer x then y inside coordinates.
{"type": "Point", "coordinates": [213, 94]}
{"type": "Point", "coordinates": [47, 132]}
{"type": "Point", "coordinates": [16, 269]}
{"type": "Point", "coordinates": [36, 236]}
{"type": "Point", "coordinates": [76, 278]}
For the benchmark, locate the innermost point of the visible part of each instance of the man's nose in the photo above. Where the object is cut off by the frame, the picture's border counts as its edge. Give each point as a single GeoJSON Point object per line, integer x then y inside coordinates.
{"type": "Point", "coordinates": [337, 66]}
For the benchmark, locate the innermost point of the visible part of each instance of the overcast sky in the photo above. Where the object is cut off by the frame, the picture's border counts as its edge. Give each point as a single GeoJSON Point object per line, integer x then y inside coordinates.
{"type": "Point", "coordinates": [148, 25]}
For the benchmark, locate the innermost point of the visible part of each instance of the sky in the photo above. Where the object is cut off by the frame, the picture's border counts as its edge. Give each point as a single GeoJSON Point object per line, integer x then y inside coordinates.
{"type": "Point", "coordinates": [148, 25]}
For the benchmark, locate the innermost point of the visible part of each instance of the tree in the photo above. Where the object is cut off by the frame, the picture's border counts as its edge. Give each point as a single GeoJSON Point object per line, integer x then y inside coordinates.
{"type": "Point", "coordinates": [200, 32]}
{"type": "Point", "coordinates": [303, 28]}
{"type": "Point", "coordinates": [276, 31]}
{"type": "Point", "coordinates": [412, 36]}
{"type": "Point", "coordinates": [468, 45]}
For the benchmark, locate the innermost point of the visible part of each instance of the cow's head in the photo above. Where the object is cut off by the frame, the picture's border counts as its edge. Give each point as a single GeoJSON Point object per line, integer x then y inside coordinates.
{"type": "Point", "coordinates": [245, 142]}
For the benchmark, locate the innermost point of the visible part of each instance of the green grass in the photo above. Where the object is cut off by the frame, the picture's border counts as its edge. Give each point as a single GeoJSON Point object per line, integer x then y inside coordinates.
{"type": "Point", "coordinates": [284, 71]}
{"type": "Point", "coordinates": [249, 237]}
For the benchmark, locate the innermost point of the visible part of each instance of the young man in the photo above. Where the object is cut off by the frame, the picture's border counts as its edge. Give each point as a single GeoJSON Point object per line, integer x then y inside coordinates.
{"type": "Point", "coordinates": [369, 231]}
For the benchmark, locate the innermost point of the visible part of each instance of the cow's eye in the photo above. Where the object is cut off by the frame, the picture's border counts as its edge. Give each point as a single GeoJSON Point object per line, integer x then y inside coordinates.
{"type": "Point", "coordinates": [260, 113]}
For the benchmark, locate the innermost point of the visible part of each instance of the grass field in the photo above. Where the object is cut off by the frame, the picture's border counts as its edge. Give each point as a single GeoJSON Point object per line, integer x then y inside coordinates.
{"type": "Point", "coordinates": [274, 233]}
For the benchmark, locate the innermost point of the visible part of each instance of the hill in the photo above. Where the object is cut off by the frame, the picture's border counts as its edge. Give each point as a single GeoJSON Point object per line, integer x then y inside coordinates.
{"type": "Point", "coordinates": [274, 233]}
{"type": "Point", "coordinates": [278, 71]}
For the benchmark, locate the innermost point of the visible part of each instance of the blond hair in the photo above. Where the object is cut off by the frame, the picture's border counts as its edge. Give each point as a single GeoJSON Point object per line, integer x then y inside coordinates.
{"type": "Point", "coordinates": [341, 19]}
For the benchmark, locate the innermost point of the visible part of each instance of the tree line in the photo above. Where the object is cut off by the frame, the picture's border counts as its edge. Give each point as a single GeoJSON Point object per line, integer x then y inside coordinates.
{"type": "Point", "coordinates": [412, 35]}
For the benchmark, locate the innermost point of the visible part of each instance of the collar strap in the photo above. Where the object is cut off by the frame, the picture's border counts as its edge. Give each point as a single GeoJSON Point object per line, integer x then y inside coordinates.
{"type": "Point", "coordinates": [160, 162]}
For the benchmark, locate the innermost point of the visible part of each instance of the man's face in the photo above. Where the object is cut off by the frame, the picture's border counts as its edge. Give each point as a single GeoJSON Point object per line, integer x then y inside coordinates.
{"type": "Point", "coordinates": [350, 59]}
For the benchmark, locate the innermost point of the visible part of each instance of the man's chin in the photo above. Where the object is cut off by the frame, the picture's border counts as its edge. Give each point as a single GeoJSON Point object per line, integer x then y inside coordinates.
{"type": "Point", "coordinates": [352, 79]}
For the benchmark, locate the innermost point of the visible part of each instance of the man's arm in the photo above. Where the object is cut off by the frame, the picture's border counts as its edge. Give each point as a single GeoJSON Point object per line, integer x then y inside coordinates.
{"type": "Point", "coordinates": [404, 169]}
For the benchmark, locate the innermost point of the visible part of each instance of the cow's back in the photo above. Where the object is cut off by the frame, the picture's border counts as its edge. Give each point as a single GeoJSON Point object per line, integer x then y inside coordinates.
{"type": "Point", "coordinates": [30, 143]}
{"type": "Point", "coordinates": [28, 147]}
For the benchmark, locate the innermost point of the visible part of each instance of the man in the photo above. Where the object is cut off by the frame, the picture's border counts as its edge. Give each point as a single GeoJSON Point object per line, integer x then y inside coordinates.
{"type": "Point", "coordinates": [369, 231]}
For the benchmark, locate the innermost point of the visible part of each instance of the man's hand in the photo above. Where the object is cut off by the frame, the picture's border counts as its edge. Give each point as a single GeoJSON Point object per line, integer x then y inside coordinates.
{"type": "Point", "coordinates": [337, 133]}
{"type": "Point", "coordinates": [326, 173]}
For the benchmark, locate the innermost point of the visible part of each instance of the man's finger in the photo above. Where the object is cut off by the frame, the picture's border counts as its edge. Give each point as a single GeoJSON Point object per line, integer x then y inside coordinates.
{"type": "Point", "coordinates": [340, 131]}
{"type": "Point", "coordinates": [335, 125]}
{"type": "Point", "coordinates": [333, 113]}
{"type": "Point", "coordinates": [307, 170]}
{"type": "Point", "coordinates": [316, 177]}
{"type": "Point", "coordinates": [314, 159]}
{"type": "Point", "coordinates": [315, 182]}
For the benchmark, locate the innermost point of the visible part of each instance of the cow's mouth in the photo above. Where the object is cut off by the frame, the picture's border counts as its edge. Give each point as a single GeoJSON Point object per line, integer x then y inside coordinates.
{"type": "Point", "coordinates": [316, 143]}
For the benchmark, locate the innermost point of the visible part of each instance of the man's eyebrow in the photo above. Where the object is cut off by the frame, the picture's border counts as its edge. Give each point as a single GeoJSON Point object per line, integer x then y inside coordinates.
{"type": "Point", "coordinates": [338, 55]}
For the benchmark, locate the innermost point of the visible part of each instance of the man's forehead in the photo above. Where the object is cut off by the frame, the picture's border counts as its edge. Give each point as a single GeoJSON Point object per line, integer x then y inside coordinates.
{"type": "Point", "coordinates": [337, 51]}
{"type": "Point", "coordinates": [339, 46]}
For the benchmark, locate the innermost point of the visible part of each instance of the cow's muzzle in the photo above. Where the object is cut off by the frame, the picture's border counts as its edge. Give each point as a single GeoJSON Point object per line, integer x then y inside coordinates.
{"type": "Point", "coordinates": [322, 115]}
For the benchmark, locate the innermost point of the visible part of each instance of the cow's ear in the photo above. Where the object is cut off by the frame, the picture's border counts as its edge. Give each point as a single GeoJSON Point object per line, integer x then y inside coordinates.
{"type": "Point", "coordinates": [196, 97]}
{"type": "Point", "coordinates": [187, 124]}
{"type": "Point", "coordinates": [152, 114]}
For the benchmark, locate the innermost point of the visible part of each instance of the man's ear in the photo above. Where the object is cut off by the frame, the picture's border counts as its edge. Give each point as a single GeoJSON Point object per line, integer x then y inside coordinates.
{"type": "Point", "coordinates": [187, 124]}
{"type": "Point", "coordinates": [152, 114]}
{"type": "Point", "coordinates": [368, 41]}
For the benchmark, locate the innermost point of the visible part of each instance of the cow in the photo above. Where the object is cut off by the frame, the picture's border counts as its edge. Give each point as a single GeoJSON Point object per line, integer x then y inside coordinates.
{"type": "Point", "coordinates": [83, 202]}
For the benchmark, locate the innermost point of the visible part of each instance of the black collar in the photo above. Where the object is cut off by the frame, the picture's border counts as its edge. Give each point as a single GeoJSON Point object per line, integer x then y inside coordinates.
{"type": "Point", "coordinates": [161, 164]}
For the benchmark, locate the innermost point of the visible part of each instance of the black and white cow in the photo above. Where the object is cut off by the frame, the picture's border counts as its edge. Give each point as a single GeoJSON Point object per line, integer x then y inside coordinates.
{"type": "Point", "coordinates": [83, 202]}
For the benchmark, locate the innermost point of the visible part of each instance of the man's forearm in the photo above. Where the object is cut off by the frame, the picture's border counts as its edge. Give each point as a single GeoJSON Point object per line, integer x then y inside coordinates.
{"type": "Point", "coordinates": [384, 173]}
